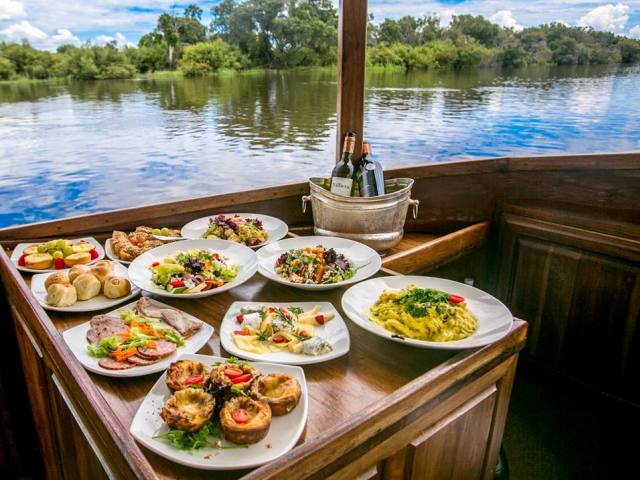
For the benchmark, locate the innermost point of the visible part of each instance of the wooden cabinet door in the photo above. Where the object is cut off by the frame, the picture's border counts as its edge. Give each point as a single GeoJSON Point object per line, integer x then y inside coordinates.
{"type": "Point", "coordinates": [580, 292]}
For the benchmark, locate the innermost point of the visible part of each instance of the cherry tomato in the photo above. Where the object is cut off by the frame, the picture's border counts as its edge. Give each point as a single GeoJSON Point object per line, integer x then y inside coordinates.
{"type": "Point", "coordinates": [155, 264]}
{"type": "Point", "coordinates": [21, 260]}
{"type": "Point", "coordinates": [456, 299]}
{"type": "Point", "coordinates": [177, 283]}
{"type": "Point", "coordinates": [194, 380]}
{"type": "Point", "coordinates": [233, 372]}
{"type": "Point", "coordinates": [241, 332]}
{"type": "Point", "coordinates": [242, 378]}
{"type": "Point", "coordinates": [240, 415]}
{"type": "Point", "coordinates": [94, 254]}
{"type": "Point", "coordinates": [240, 318]}
{"type": "Point", "coordinates": [320, 319]}
{"type": "Point", "coordinates": [58, 264]}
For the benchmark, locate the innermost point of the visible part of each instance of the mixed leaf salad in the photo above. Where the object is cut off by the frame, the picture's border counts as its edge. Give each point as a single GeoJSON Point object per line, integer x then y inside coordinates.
{"type": "Point", "coordinates": [247, 231]}
{"type": "Point", "coordinates": [193, 271]}
{"type": "Point", "coordinates": [314, 265]}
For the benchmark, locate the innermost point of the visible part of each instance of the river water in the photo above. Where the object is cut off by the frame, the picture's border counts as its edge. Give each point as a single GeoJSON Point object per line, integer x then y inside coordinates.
{"type": "Point", "coordinates": [68, 148]}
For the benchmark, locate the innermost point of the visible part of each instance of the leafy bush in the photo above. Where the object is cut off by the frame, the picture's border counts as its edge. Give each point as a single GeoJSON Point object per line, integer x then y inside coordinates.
{"type": "Point", "coordinates": [6, 69]}
{"type": "Point", "coordinates": [204, 58]}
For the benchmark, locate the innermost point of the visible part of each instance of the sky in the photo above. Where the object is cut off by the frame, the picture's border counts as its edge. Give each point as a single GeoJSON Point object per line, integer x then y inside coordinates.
{"type": "Point", "coordinates": [46, 24]}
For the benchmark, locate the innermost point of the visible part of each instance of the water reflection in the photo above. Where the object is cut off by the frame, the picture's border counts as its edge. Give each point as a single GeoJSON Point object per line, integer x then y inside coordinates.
{"type": "Point", "coordinates": [73, 147]}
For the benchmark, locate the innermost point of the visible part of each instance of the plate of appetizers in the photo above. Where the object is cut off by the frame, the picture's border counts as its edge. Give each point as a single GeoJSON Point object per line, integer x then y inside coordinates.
{"type": "Point", "coordinates": [216, 413]}
{"type": "Point", "coordinates": [193, 268]}
{"type": "Point", "coordinates": [296, 333]}
{"type": "Point", "coordinates": [84, 288]}
{"type": "Point", "coordinates": [427, 312]}
{"type": "Point", "coordinates": [167, 234]}
{"type": "Point", "coordinates": [124, 247]}
{"type": "Point", "coordinates": [317, 263]}
{"type": "Point", "coordinates": [250, 229]}
{"type": "Point", "coordinates": [137, 339]}
{"type": "Point", "coordinates": [56, 254]}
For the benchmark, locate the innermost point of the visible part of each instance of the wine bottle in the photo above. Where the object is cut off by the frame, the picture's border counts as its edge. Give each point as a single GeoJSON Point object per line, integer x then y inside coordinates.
{"type": "Point", "coordinates": [365, 173]}
{"type": "Point", "coordinates": [342, 175]}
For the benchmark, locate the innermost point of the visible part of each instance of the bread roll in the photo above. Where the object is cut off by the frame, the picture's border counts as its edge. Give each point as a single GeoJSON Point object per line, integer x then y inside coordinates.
{"type": "Point", "coordinates": [116, 287]}
{"type": "Point", "coordinates": [87, 286]}
{"type": "Point", "coordinates": [77, 259]}
{"type": "Point", "coordinates": [58, 277]}
{"type": "Point", "coordinates": [76, 271]}
{"type": "Point", "coordinates": [101, 270]}
{"type": "Point", "coordinates": [60, 295]}
{"type": "Point", "coordinates": [39, 261]}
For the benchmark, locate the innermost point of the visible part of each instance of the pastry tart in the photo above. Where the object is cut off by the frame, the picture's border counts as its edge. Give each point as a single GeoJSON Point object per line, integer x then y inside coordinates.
{"type": "Point", "coordinates": [240, 375]}
{"type": "Point", "coordinates": [245, 420]}
{"type": "Point", "coordinates": [186, 374]}
{"type": "Point", "coordinates": [282, 392]}
{"type": "Point", "coordinates": [188, 409]}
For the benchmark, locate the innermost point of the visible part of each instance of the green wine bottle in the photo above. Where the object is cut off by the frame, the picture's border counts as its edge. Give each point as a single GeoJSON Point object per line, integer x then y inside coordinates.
{"type": "Point", "coordinates": [342, 175]}
{"type": "Point", "coordinates": [365, 174]}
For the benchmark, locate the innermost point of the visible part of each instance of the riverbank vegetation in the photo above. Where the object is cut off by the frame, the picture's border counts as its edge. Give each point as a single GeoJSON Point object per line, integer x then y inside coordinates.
{"type": "Point", "coordinates": [284, 34]}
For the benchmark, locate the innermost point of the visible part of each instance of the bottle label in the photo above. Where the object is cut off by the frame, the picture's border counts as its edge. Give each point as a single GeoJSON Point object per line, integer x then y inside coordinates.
{"type": "Point", "coordinates": [341, 186]}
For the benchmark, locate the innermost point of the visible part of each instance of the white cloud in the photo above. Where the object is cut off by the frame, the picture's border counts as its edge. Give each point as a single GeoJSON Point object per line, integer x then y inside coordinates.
{"type": "Point", "coordinates": [65, 37]}
{"type": "Point", "coordinates": [635, 32]}
{"type": "Point", "coordinates": [10, 9]}
{"type": "Point", "coordinates": [607, 17]}
{"type": "Point", "coordinates": [505, 18]}
{"type": "Point", "coordinates": [119, 38]}
{"type": "Point", "coordinates": [23, 31]}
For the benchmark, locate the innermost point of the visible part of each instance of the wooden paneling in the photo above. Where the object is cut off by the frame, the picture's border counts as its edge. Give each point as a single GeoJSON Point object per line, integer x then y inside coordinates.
{"type": "Point", "coordinates": [580, 291]}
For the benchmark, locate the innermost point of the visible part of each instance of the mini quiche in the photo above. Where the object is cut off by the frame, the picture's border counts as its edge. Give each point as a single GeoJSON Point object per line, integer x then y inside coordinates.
{"type": "Point", "coordinates": [186, 374]}
{"type": "Point", "coordinates": [245, 420]}
{"type": "Point", "coordinates": [188, 409]}
{"type": "Point", "coordinates": [227, 375]}
{"type": "Point", "coordinates": [281, 392]}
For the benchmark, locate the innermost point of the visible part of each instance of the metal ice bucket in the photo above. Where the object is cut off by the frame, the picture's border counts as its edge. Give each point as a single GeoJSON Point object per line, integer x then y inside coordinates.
{"type": "Point", "coordinates": [374, 221]}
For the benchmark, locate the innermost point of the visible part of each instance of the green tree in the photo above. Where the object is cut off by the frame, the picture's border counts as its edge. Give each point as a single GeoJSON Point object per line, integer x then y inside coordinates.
{"type": "Point", "coordinates": [205, 58]}
{"type": "Point", "coordinates": [478, 27]}
{"type": "Point", "coordinates": [7, 71]}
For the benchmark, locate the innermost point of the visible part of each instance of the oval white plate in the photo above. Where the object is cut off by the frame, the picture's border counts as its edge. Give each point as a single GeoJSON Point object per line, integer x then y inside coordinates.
{"type": "Point", "coordinates": [494, 319]}
{"type": "Point", "coordinates": [366, 260]}
{"type": "Point", "coordinates": [76, 339]}
{"type": "Point", "coordinates": [334, 331]}
{"type": "Point", "coordinates": [275, 228]}
{"type": "Point", "coordinates": [17, 253]}
{"type": "Point", "coordinates": [163, 238]}
{"type": "Point", "coordinates": [284, 431]}
{"type": "Point", "coordinates": [140, 271]}
{"type": "Point", "coordinates": [99, 302]}
{"type": "Point", "coordinates": [112, 255]}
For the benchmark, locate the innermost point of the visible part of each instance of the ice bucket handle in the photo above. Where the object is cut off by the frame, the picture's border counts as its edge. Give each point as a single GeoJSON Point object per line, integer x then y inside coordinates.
{"type": "Point", "coordinates": [305, 199]}
{"type": "Point", "coordinates": [415, 204]}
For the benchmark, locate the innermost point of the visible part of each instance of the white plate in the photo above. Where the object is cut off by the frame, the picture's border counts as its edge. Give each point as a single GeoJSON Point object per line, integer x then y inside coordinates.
{"type": "Point", "coordinates": [334, 331]}
{"type": "Point", "coordinates": [284, 431]}
{"type": "Point", "coordinates": [366, 260]}
{"type": "Point", "coordinates": [76, 339]}
{"type": "Point", "coordinates": [140, 271]}
{"type": "Point", "coordinates": [494, 319]}
{"type": "Point", "coordinates": [17, 253]}
{"type": "Point", "coordinates": [112, 255]}
{"type": "Point", "coordinates": [275, 228]}
{"type": "Point", "coordinates": [164, 238]}
{"type": "Point", "coordinates": [99, 302]}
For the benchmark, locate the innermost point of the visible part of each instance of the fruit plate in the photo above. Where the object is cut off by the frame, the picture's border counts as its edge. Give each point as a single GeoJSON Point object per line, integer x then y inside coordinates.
{"type": "Point", "coordinates": [17, 253]}
{"type": "Point", "coordinates": [334, 331]}
{"type": "Point", "coordinates": [283, 435]}
{"type": "Point", "coordinates": [494, 319]}
{"type": "Point", "coordinates": [76, 339]}
{"type": "Point", "coordinates": [99, 302]}
{"type": "Point", "coordinates": [275, 228]}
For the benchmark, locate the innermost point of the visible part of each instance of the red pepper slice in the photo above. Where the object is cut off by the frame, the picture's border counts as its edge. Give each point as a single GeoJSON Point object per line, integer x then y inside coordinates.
{"type": "Point", "coordinates": [303, 333]}
{"type": "Point", "coordinates": [279, 339]}
{"type": "Point", "coordinates": [240, 415]}
{"type": "Point", "coordinates": [285, 312]}
{"type": "Point", "coordinates": [240, 318]}
{"type": "Point", "coordinates": [155, 264]}
{"type": "Point", "coordinates": [319, 319]}
{"type": "Point", "coordinates": [195, 380]}
{"type": "Point", "coordinates": [58, 263]}
{"type": "Point", "coordinates": [242, 378]}
{"type": "Point", "coordinates": [94, 254]}
{"type": "Point", "coordinates": [233, 372]}
{"type": "Point", "coordinates": [456, 299]}
{"type": "Point", "coordinates": [241, 332]}
{"type": "Point", "coordinates": [271, 309]}
{"type": "Point", "coordinates": [21, 260]}
{"type": "Point", "coordinates": [177, 283]}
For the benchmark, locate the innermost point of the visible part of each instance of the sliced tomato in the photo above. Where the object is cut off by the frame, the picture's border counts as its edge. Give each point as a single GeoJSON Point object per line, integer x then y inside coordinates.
{"type": "Point", "coordinates": [233, 372]}
{"type": "Point", "coordinates": [240, 318]}
{"type": "Point", "coordinates": [241, 332]}
{"type": "Point", "coordinates": [195, 380]}
{"type": "Point", "coordinates": [240, 415]}
{"type": "Point", "coordinates": [456, 299]}
{"type": "Point", "coordinates": [242, 378]}
{"type": "Point", "coordinates": [177, 283]}
{"type": "Point", "coordinates": [155, 264]}
{"type": "Point", "coordinates": [279, 339]}
{"type": "Point", "coordinates": [286, 313]}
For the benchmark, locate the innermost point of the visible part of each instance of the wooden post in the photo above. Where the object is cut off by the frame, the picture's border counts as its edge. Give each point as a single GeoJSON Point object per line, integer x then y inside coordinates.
{"type": "Point", "coordinates": [352, 44]}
